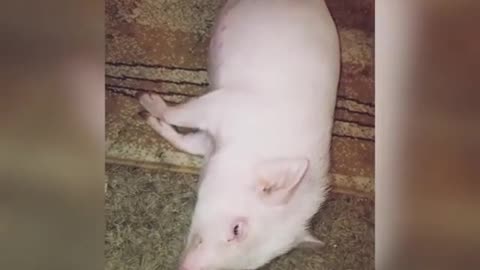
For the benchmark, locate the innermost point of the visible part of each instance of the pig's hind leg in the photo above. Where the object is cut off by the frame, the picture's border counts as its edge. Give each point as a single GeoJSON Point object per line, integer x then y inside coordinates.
{"type": "Point", "coordinates": [199, 113]}
{"type": "Point", "coordinates": [196, 143]}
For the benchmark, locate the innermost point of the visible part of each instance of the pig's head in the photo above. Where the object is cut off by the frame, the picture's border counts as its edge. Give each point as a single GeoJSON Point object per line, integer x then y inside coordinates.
{"type": "Point", "coordinates": [242, 219]}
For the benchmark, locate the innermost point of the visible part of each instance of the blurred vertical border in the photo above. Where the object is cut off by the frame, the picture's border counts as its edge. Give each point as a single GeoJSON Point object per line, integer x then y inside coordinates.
{"type": "Point", "coordinates": [427, 141]}
{"type": "Point", "coordinates": [428, 134]}
{"type": "Point", "coordinates": [51, 134]}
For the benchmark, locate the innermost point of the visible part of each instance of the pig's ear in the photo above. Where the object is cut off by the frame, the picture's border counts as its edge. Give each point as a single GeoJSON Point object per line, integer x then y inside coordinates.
{"type": "Point", "coordinates": [278, 179]}
{"type": "Point", "coordinates": [309, 241]}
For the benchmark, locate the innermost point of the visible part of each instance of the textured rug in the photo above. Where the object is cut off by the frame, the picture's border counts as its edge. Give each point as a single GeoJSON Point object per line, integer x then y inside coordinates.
{"type": "Point", "coordinates": [161, 46]}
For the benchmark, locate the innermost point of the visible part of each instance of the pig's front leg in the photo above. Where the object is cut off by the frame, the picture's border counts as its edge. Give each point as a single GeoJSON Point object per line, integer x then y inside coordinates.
{"type": "Point", "coordinates": [200, 113]}
{"type": "Point", "coordinates": [197, 143]}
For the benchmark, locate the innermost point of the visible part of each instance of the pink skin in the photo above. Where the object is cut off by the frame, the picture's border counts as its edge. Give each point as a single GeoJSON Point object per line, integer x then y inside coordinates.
{"type": "Point", "coordinates": [199, 143]}
{"type": "Point", "coordinates": [216, 43]}
{"type": "Point", "coordinates": [239, 228]}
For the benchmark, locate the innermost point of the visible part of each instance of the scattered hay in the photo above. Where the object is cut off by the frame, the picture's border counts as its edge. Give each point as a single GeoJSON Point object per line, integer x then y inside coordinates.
{"type": "Point", "coordinates": [148, 214]}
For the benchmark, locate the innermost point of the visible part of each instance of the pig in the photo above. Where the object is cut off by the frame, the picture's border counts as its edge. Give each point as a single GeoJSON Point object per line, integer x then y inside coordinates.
{"type": "Point", "coordinates": [264, 130]}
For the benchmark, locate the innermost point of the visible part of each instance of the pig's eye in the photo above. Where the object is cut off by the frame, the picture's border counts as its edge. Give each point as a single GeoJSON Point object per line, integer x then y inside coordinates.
{"type": "Point", "coordinates": [238, 230]}
{"type": "Point", "coordinates": [235, 230]}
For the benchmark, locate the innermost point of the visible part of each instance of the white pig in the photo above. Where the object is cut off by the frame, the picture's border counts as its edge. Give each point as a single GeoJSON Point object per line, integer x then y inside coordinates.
{"type": "Point", "coordinates": [264, 132]}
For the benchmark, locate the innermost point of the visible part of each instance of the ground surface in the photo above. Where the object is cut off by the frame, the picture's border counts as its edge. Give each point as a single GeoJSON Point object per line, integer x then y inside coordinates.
{"type": "Point", "coordinates": [148, 213]}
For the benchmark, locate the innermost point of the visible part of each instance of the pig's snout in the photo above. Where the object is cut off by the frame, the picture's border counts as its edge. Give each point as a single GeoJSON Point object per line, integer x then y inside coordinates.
{"type": "Point", "coordinates": [193, 262]}
{"type": "Point", "coordinates": [187, 264]}
{"type": "Point", "coordinates": [189, 268]}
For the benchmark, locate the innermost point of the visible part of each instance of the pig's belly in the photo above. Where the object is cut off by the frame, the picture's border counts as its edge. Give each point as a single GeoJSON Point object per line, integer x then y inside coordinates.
{"type": "Point", "coordinates": [273, 44]}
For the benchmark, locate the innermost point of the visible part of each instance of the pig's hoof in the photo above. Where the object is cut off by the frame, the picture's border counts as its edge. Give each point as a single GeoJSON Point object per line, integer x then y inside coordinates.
{"type": "Point", "coordinates": [153, 103]}
{"type": "Point", "coordinates": [144, 115]}
{"type": "Point", "coordinates": [139, 94]}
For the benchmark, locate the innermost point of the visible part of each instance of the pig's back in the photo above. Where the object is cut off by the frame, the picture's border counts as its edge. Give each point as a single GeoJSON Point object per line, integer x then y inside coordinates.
{"type": "Point", "coordinates": [285, 53]}
{"type": "Point", "coordinates": [275, 45]}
